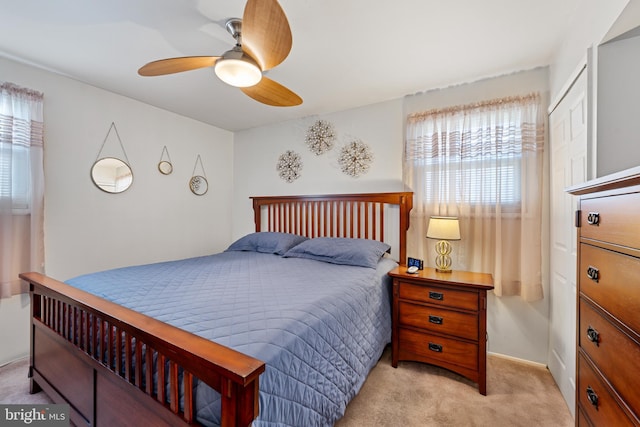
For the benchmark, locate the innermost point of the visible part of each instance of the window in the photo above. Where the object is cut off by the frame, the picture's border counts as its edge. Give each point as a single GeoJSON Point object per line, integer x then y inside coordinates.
{"type": "Point", "coordinates": [21, 186]}
{"type": "Point", "coordinates": [473, 182]}
{"type": "Point", "coordinates": [15, 177]}
{"type": "Point", "coordinates": [482, 163]}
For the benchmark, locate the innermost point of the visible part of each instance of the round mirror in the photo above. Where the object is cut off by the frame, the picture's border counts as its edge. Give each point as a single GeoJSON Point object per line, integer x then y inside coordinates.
{"type": "Point", "coordinates": [165, 167]}
{"type": "Point", "coordinates": [198, 185]}
{"type": "Point", "coordinates": [111, 175]}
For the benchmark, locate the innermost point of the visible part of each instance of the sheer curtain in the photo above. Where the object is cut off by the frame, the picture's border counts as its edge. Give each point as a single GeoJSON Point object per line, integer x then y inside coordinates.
{"type": "Point", "coordinates": [21, 186]}
{"type": "Point", "coordinates": [482, 163]}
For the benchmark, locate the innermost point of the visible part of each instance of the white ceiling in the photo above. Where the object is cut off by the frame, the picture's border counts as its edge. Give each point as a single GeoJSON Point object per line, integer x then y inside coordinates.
{"type": "Point", "coordinates": [346, 53]}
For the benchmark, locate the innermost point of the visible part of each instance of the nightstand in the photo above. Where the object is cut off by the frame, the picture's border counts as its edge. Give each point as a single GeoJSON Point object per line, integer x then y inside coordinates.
{"type": "Point", "coordinates": [441, 319]}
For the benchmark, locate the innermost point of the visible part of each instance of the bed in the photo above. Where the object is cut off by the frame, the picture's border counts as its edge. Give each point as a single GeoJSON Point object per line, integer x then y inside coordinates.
{"type": "Point", "coordinates": [122, 359]}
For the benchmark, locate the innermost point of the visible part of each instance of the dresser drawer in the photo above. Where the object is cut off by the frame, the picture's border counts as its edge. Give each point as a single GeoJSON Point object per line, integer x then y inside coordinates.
{"type": "Point", "coordinates": [440, 320]}
{"type": "Point", "coordinates": [439, 296]}
{"type": "Point", "coordinates": [615, 287]}
{"type": "Point", "coordinates": [618, 219]}
{"type": "Point", "coordinates": [581, 419]}
{"type": "Point", "coordinates": [610, 349]}
{"type": "Point", "coordinates": [604, 411]}
{"type": "Point", "coordinates": [439, 349]}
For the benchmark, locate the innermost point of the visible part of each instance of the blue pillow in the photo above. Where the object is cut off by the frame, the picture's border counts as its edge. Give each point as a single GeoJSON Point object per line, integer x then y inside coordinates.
{"type": "Point", "coordinates": [267, 242]}
{"type": "Point", "coordinates": [341, 250]}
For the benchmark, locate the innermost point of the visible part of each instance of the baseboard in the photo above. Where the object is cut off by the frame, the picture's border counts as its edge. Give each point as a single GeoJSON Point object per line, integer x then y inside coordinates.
{"type": "Point", "coordinates": [17, 360]}
{"type": "Point", "coordinates": [516, 359]}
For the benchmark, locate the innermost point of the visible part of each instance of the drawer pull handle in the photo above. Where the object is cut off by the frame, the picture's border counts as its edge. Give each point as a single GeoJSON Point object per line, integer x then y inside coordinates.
{"type": "Point", "coordinates": [593, 273]}
{"type": "Point", "coordinates": [436, 295]}
{"type": "Point", "coordinates": [593, 218]}
{"type": "Point", "coordinates": [435, 347]}
{"type": "Point", "coordinates": [435, 320]}
{"type": "Point", "coordinates": [593, 335]}
{"type": "Point", "coordinates": [592, 396]}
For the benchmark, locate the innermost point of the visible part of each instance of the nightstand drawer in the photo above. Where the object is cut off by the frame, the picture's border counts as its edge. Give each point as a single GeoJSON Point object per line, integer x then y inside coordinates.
{"type": "Point", "coordinates": [596, 399]}
{"type": "Point", "coordinates": [439, 296]}
{"type": "Point", "coordinates": [610, 349]}
{"type": "Point", "coordinates": [613, 219]}
{"type": "Point", "coordinates": [611, 280]}
{"type": "Point", "coordinates": [440, 320]}
{"type": "Point", "coordinates": [438, 348]}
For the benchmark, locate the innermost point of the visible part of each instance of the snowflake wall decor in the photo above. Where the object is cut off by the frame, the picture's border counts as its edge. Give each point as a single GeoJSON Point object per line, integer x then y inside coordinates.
{"type": "Point", "coordinates": [289, 166]}
{"type": "Point", "coordinates": [320, 137]}
{"type": "Point", "coordinates": [355, 158]}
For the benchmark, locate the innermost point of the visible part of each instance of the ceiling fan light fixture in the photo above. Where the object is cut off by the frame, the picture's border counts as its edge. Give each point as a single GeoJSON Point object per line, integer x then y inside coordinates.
{"type": "Point", "coordinates": [268, 36]}
{"type": "Point", "coordinates": [237, 69]}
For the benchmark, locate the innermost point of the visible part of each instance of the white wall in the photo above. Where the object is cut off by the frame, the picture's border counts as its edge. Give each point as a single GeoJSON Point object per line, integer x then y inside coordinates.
{"type": "Point", "coordinates": [516, 328]}
{"type": "Point", "coordinates": [157, 219]}
{"type": "Point", "coordinates": [14, 328]}
{"type": "Point", "coordinates": [591, 21]}
{"type": "Point", "coordinates": [256, 153]}
{"type": "Point", "coordinates": [618, 128]}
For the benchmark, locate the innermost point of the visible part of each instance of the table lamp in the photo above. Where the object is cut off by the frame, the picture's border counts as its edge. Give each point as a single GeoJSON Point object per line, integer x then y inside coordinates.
{"type": "Point", "coordinates": [443, 228]}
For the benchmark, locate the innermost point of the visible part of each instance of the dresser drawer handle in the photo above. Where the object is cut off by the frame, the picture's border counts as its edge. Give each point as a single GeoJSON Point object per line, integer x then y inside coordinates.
{"type": "Point", "coordinates": [593, 218]}
{"type": "Point", "coordinates": [435, 347]}
{"type": "Point", "coordinates": [592, 396]}
{"type": "Point", "coordinates": [593, 273]}
{"type": "Point", "coordinates": [436, 295]}
{"type": "Point", "coordinates": [593, 335]}
{"type": "Point", "coordinates": [437, 320]}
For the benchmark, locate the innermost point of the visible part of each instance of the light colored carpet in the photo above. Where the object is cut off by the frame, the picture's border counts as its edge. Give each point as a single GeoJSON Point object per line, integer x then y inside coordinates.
{"type": "Point", "coordinates": [14, 384]}
{"type": "Point", "coordinates": [414, 394]}
{"type": "Point", "coordinates": [417, 394]}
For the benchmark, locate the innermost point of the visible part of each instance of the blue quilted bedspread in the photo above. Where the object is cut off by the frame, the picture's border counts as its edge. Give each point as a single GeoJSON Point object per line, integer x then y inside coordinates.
{"type": "Point", "coordinates": [318, 327]}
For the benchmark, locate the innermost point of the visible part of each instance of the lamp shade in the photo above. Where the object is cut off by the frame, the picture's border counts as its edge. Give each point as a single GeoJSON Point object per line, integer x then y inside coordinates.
{"type": "Point", "coordinates": [443, 228]}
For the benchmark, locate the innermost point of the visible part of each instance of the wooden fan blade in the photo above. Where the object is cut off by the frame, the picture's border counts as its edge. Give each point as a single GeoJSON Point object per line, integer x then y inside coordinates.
{"type": "Point", "coordinates": [177, 65]}
{"type": "Point", "coordinates": [272, 93]}
{"type": "Point", "coordinates": [266, 35]}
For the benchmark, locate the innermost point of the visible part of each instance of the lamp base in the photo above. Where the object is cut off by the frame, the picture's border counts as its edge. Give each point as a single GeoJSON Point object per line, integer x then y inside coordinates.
{"type": "Point", "coordinates": [443, 260]}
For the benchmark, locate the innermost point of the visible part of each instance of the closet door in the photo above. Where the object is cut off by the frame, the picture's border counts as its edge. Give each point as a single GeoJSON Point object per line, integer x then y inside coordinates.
{"type": "Point", "coordinates": [568, 166]}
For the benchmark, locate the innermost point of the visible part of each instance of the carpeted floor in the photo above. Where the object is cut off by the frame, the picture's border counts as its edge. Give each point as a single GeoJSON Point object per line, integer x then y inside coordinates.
{"type": "Point", "coordinates": [14, 384]}
{"type": "Point", "coordinates": [415, 394]}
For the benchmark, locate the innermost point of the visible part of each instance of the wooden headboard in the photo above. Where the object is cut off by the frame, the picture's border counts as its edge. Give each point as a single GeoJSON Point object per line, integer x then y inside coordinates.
{"type": "Point", "coordinates": [336, 215]}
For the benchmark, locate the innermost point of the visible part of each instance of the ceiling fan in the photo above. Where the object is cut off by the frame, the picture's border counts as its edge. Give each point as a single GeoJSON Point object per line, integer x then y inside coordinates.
{"type": "Point", "coordinates": [263, 40]}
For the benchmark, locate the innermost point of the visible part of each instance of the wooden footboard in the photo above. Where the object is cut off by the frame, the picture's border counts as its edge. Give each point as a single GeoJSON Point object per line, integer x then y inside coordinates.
{"type": "Point", "coordinates": [105, 360]}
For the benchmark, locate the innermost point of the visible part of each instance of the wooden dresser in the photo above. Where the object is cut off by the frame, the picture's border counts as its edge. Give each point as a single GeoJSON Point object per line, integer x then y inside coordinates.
{"type": "Point", "coordinates": [608, 322]}
{"type": "Point", "coordinates": [441, 319]}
